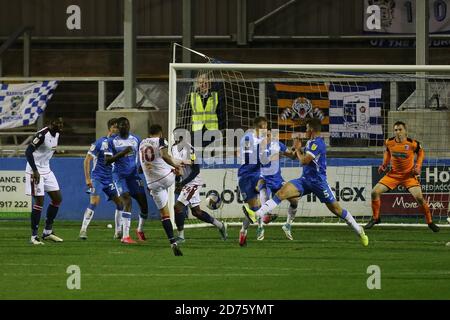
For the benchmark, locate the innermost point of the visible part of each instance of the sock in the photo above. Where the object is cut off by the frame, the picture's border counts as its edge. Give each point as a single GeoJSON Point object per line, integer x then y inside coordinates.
{"type": "Point", "coordinates": [425, 209]}
{"type": "Point", "coordinates": [35, 218]}
{"type": "Point", "coordinates": [181, 232]}
{"type": "Point", "coordinates": [260, 222]}
{"type": "Point", "coordinates": [118, 220]}
{"type": "Point", "coordinates": [52, 211]}
{"type": "Point", "coordinates": [292, 211]}
{"type": "Point", "coordinates": [268, 206]}
{"type": "Point", "coordinates": [245, 225]}
{"type": "Point", "coordinates": [167, 225]}
{"type": "Point", "coordinates": [376, 204]}
{"type": "Point", "coordinates": [263, 197]}
{"type": "Point", "coordinates": [205, 217]}
{"type": "Point", "coordinates": [217, 223]}
{"type": "Point", "coordinates": [351, 222]}
{"type": "Point", "coordinates": [141, 224]}
{"type": "Point", "coordinates": [88, 214]}
{"type": "Point", "coordinates": [126, 222]}
{"type": "Point", "coordinates": [179, 220]}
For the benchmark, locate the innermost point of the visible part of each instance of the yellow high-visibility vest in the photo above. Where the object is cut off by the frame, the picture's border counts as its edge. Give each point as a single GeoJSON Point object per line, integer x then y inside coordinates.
{"type": "Point", "coordinates": [204, 115]}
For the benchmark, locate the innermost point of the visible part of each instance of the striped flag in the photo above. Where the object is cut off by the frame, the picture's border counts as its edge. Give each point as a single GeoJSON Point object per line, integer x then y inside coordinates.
{"type": "Point", "coordinates": [298, 102]}
{"type": "Point", "coordinates": [356, 112]}
{"type": "Point", "coordinates": [21, 104]}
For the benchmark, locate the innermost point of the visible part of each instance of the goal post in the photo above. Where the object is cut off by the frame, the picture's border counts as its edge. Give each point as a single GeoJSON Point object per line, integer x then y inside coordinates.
{"type": "Point", "coordinates": [347, 97]}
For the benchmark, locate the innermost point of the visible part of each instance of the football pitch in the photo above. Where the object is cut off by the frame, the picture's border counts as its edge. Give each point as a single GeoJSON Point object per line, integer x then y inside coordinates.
{"type": "Point", "coordinates": [321, 263]}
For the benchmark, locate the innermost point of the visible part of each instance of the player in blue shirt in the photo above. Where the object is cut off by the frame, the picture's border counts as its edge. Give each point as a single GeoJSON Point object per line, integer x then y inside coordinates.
{"type": "Point", "coordinates": [124, 149]}
{"type": "Point", "coordinates": [100, 180]}
{"type": "Point", "coordinates": [250, 169]}
{"type": "Point", "coordinates": [271, 181]}
{"type": "Point", "coordinates": [313, 180]}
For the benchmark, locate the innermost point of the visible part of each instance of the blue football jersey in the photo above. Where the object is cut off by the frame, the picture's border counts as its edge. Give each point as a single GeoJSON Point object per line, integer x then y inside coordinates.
{"type": "Point", "coordinates": [100, 171]}
{"type": "Point", "coordinates": [249, 153]}
{"type": "Point", "coordinates": [128, 165]}
{"type": "Point", "coordinates": [317, 168]}
{"type": "Point", "coordinates": [272, 169]}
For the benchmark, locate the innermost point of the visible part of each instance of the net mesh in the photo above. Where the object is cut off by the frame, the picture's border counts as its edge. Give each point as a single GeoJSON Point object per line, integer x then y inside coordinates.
{"type": "Point", "coordinates": [357, 112]}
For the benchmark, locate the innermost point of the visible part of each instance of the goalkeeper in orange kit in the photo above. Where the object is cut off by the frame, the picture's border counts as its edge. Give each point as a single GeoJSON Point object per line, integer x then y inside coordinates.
{"type": "Point", "coordinates": [400, 152]}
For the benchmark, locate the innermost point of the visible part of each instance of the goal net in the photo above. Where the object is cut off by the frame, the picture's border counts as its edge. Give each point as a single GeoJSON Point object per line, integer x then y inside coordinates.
{"type": "Point", "coordinates": [357, 105]}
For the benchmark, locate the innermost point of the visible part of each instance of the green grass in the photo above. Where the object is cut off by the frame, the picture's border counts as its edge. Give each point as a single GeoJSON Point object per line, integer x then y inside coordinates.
{"type": "Point", "coordinates": [322, 263]}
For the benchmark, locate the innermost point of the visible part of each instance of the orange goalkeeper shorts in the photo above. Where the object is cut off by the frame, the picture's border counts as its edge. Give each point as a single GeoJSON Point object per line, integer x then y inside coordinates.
{"type": "Point", "coordinates": [392, 183]}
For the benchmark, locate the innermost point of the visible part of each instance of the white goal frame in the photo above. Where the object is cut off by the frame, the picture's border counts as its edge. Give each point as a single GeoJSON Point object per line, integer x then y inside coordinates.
{"type": "Point", "coordinates": [420, 70]}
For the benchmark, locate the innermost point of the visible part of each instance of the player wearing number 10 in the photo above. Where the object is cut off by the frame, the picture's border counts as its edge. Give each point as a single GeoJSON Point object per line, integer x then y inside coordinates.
{"type": "Point", "coordinates": [313, 180]}
{"type": "Point", "coordinates": [159, 170]}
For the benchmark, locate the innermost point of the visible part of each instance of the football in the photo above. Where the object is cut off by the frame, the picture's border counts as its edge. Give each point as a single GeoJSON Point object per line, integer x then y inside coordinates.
{"type": "Point", "coordinates": [213, 200]}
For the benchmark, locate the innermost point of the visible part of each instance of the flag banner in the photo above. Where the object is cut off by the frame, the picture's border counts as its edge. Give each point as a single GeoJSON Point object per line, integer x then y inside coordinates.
{"type": "Point", "coordinates": [298, 102]}
{"type": "Point", "coordinates": [399, 16]}
{"type": "Point", "coordinates": [21, 104]}
{"type": "Point", "coordinates": [356, 114]}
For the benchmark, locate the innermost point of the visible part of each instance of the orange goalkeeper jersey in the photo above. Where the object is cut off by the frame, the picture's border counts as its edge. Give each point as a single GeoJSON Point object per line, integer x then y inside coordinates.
{"type": "Point", "coordinates": [401, 157]}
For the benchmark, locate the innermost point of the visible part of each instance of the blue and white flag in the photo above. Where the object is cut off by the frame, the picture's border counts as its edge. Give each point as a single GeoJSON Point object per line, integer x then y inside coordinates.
{"type": "Point", "coordinates": [21, 104]}
{"type": "Point", "coordinates": [355, 111]}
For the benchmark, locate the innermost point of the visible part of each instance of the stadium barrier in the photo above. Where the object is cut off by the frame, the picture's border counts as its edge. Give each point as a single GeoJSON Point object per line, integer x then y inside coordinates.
{"type": "Point", "coordinates": [354, 194]}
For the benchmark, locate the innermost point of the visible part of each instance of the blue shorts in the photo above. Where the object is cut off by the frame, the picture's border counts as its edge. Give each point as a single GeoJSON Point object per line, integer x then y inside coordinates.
{"type": "Point", "coordinates": [107, 187]}
{"type": "Point", "coordinates": [132, 185]}
{"type": "Point", "coordinates": [273, 184]}
{"type": "Point", "coordinates": [320, 188]}
{"type": "Point", "coordinates": [247, 185]}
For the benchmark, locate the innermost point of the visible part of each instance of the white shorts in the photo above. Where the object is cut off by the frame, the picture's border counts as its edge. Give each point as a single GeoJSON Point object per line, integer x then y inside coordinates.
{"type": "Point", "coordinates": [47, 183]}
{"type": "Point", "coordinates": [163, 182]}
{"type": "Point", "coordinates": [160, 196]}
{"type": "Point", "coordinates": [190, 195]}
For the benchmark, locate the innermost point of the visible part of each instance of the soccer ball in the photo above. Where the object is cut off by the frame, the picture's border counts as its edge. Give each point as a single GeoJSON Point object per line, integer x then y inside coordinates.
{"type": "Point", "coordinates": [213, 200]}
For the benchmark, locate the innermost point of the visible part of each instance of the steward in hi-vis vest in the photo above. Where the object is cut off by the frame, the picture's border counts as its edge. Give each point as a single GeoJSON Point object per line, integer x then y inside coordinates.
{"type": "Point", "coordinates": [204, 106]}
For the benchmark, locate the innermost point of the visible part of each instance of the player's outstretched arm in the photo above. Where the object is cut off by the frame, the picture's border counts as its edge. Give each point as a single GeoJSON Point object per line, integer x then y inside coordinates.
{"type": "Point", "coordinates": [87, 169]}
{"type": "Point", "coordinates": [117, 156]}
{"type": "Point", "coordinates": [290, 153]}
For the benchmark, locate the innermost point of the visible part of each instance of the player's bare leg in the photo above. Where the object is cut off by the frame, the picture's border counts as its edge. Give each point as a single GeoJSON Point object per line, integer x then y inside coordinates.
{"type": "Point", "coordinates": [417, 194]}
{"type": "Point", "coordinates": [126, 218]}
{"type": "Point", "coordinates": [142, 201]}
{"type": "Point", "coordinates": [52, 211]}
{"type": "Point", "coordinates": [168, 228]}
{"type": "Point", "coordinates": [38, 203]}
{"type": "Point", "coordinates": [376, 204]}
{"type": "Point", "coordinates": [88, 215]}
{"type": "Point", "coordinates": [336, 208]}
